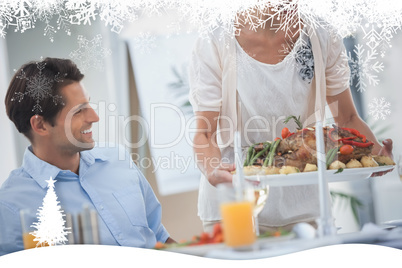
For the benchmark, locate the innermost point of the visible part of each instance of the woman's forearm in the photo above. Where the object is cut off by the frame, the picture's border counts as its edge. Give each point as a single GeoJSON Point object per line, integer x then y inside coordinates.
{"type": "Point", "coordinates": [208, 157]}
{"type": "Point", "coordinates": [207, 154]}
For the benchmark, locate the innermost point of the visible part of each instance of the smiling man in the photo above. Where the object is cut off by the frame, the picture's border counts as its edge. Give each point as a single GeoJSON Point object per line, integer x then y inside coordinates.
{"type": "Point", "coordinates": [49, 105]}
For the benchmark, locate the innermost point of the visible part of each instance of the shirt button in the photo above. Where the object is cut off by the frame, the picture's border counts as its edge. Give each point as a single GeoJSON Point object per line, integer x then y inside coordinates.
{"type": "Point", "coordinates": [101, 207]}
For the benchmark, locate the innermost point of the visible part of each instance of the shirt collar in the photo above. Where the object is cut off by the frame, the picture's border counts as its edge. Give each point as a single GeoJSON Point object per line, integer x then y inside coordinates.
{"type": "Point", "coordinates": [89, 157]}
{"type": "Point", "coordinates": [41, 170]}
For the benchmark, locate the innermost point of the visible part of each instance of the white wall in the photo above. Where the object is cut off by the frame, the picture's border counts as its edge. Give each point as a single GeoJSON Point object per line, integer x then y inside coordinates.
{"type": "Point", "coordinates": [387, 190]}
{"type": "Point", "coordinates": [8, 155]}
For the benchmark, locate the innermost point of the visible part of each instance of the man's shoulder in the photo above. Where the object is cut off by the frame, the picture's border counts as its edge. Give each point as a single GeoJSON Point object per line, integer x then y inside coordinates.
{"type": "Point", "coordinates": [16, 187]}
{"type": "Point", "coordinates": [14, 178]}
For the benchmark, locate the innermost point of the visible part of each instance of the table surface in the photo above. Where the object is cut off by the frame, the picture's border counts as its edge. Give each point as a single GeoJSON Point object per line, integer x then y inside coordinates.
{"type": "Point", "coordinates": [277, 246]}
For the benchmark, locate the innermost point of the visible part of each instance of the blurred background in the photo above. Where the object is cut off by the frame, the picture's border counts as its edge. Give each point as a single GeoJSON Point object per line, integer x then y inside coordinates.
{"type": "Point", "coordinates": [137, 80]}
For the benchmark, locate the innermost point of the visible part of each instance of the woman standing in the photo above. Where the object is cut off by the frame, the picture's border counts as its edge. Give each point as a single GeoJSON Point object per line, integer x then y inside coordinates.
{"type": "Point", "coordinates": [245, 83]}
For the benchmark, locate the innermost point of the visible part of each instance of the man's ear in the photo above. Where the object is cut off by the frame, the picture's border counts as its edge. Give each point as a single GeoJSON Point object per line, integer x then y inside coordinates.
{"type": "Point", "coordinates": [38, 125]}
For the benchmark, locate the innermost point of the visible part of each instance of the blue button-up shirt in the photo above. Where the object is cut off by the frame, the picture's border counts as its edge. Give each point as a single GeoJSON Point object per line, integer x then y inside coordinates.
{"type": "Point", "coordinates": [129, 214]}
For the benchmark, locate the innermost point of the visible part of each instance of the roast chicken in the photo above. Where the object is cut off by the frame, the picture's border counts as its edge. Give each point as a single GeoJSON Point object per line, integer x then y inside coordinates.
{"type": "Point", "coordinates": [299, 148]}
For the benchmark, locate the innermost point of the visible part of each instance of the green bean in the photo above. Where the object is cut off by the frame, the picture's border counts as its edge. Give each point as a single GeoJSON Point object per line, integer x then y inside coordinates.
{"type": "Point", "coordinates": [272, 154]}
{"type": "Point", "coordinates": [250, 154]}
{"type": "Point", "coordinates": [266, 148]}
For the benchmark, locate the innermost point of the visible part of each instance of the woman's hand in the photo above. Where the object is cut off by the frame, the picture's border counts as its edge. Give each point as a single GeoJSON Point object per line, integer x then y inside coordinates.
{"type": "Point", "coordinates": [221, 174]}
{"type": "Point", "coordinates": [387, 151]}
{"type": "Point", "coordinates": [387, 148]}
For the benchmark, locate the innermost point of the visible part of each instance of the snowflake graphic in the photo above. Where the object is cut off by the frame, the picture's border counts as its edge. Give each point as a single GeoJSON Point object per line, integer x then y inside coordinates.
{"type": "Point", "coordinates": [154, 7]}
{"type": "Point", "coordinates": [63, 21]}
{"type": "Point", "coordinates": [144, 42]}
{"type": "Point", "coordinates": [364, 67]}
{"type": "Point", "coordinates": [83, 11]}
{"type": "Point", "coordinates": [287, 20]}
{"type": "Point", "coordinates": [379, 108]}
{"type": "Point", "coordinates": [39, 87]}
{"type": "Point", "coordinates": [342, 16]}
{"type": "Point", "coordinates": [114, 13]}
{"type": "Point", "coordinates": [174, 28]}
{"type": "Point", "coordinates": [286, 49]}
{"type": "Point", "coordinates": [378, 38]}
{"type": "Point", "coordinates": [23, 14]}
{"type": "Point", "coordinates": [90, 53]}
{"type": "Point", "coordinates": [2, 31]}
{"type": "Point", "coordinates": [44, 11]}
{"type": "Point", "coordinates": [292, 50]}
{"type": "Point", "coordinates": [372, 37]}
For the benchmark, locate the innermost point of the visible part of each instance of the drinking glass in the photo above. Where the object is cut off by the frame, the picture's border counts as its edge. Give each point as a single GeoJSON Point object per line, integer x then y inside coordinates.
{"type": "Point", "coordinates": [28, 217]}
{"type": "Point", "coordinates": [257, 192]}
{"type": "Point", "coordinates": [237, 217]}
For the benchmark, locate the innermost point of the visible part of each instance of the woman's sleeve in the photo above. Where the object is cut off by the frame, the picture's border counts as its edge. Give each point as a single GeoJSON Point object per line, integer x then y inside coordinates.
{"type": "Point", "coordinates": [205, 76]}
{"type": "Point", "coordinates": [337, 71]}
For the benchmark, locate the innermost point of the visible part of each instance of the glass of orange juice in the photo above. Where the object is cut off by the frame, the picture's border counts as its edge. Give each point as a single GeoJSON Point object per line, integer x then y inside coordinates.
{"type": "Point", "coordinates": [237, 217]}
{"type": "Point", "coordinates": [28, 217]}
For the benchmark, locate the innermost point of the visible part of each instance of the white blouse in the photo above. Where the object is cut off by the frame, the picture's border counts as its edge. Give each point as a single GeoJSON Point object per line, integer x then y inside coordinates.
{"type": "Point", "coordinates": [267, 94]}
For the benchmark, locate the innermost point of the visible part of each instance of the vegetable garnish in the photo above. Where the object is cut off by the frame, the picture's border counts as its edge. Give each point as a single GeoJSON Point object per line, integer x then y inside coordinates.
{"type": "Point", "coordinates": [203, 239]}
{"type": "Point", "coordinates": [355, 132]}
{"type": "Point", "coordinates": [297, 121]}
{"type": "Point", "coordinates": [339, 170]}
{"type": "Point", "coordinates": [275, 233]}
{"type": "Point", "coordinates": [270, 159]}
{"type": "Point", "coordinates": [331, 155]}
{"type": "Point", "coordinates": [267, 145]}
{"type": "Point", "coordinates": [250, 154]}
{"type": "Point", "coordinates": [285, 132]}
{"type": "Point", "coordinates": [350, 140]}
{"type": "Point", "coordinates": [346, 149]}
{"type": "Point", "coordinates": [358, 144]}
{"type": "Point", "coordinates": [215, 237]}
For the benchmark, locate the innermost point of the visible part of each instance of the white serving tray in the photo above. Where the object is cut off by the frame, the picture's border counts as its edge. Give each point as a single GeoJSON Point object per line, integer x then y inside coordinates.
{"type": "Point", "coordinates": [306, 178]}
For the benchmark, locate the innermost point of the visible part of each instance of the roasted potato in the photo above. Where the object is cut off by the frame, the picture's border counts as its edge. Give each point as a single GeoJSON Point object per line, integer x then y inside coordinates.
{"type": "Point", "coordinates": [353, 163]}
{"type": "Point", "coordinates": [270, 170]}
{"type": "Point", "coordinates": [383, 160]}
{"type": "Point", "coordinates": [310, 167]}
{"type": "Point", "coordinates": [337, 165]}
{"type": "Point", "coordinates": [288, 170]}
{"type": "Point", "coordinates": [368, 161]}
{"type": "Point", "coordinates": [252, 170]}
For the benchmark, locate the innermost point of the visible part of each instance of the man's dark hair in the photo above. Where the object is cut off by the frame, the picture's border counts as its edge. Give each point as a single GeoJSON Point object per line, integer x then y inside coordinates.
{"type": "Point", "coordinates": [54, 74]}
